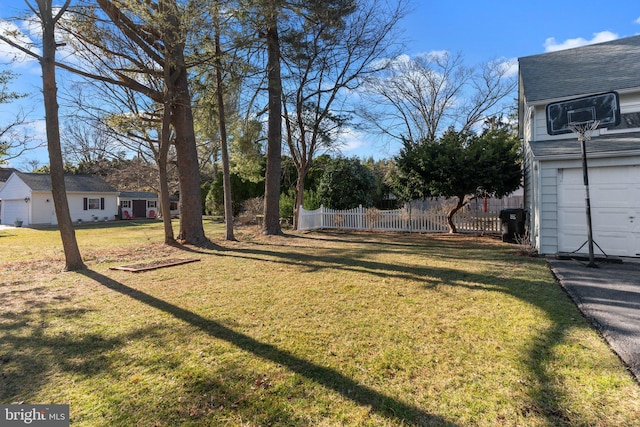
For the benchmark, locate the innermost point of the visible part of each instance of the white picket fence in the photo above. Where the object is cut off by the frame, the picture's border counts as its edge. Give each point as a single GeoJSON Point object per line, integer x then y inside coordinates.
{"type": "Point", "coordinates": [405, 219]}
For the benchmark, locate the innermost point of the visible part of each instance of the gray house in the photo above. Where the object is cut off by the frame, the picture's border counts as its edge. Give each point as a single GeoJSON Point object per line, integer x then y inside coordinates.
{"type": "Point", "coordinates": [554, 190]}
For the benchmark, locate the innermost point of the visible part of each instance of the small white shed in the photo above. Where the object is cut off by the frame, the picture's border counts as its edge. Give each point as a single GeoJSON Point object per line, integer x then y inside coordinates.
{"type": "Point", "coordinates": [137, 204]}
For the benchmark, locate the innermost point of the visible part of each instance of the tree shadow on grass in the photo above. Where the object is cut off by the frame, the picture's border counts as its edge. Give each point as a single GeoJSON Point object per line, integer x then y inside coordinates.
{"type": "Point", "coordinates": [356, 261]}
{"type": "Point", "coordinates": [546, 396]}
{"type": "Point", "coordinates": [29, 353]}
{"type": "Point", "coordinates": [360, 394]}
{"type": "Point", "coordinates": [409, 242]}
{"type": "Point", "coordinates": [45, 337]}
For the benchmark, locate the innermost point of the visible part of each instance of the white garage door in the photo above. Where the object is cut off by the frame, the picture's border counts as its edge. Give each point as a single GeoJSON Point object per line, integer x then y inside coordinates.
{"type": "Point", "coordinates": [13, 209]}
{"type": "Point", "coordinates": [615, 210]}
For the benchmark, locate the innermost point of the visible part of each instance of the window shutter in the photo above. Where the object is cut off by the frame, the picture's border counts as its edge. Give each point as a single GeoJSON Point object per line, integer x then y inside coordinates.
{"type": "Point", "coordinates": [85, 204]}
{"type": "Point", "coordinates": [101, 203]}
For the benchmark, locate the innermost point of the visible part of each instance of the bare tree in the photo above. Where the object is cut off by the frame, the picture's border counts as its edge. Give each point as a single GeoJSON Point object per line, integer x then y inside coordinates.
{"type": "Point", "coordinates": [159, 30]}
{"type": "Point", "coordinates": [217, 81]}
{"type": "Point", "coordinates": [337, 45]}
{"type": "Point", "coordinates": [89, 142]}
{"type": "Point", "coordinates": [416, 98]}
{"type": "Point", "coordinates": [128, 40]}
{"type": "Point", "coordinates": [49, 18]}
{"type": "Point", "coordinates": [125, 121]}
{"type": "Point", "coordinates": [14, 142]}
{"type": "Point", "coordinates": [162, 157]}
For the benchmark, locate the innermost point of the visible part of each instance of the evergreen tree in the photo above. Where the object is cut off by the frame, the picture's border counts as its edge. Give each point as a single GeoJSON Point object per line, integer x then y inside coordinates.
{"type": "Point", "coordinates": [460, 164]}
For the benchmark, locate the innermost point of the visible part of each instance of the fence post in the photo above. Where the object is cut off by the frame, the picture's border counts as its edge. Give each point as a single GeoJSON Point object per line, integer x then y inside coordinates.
{"type": "Point", "coordinates": [360, 217]}
{"type": "Point", "coordinates": [321, 217]}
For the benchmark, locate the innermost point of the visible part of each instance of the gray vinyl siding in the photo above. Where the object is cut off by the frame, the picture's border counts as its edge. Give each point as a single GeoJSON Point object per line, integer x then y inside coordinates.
{"type": "Point", "coordinates": [548, 209]}
{"type": "Point", "coordinates": [527, 171]}
{"type": "Point", "coordinates": [559, 76]}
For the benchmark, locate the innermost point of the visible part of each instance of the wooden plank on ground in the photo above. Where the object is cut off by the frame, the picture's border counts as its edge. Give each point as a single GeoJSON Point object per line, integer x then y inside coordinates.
{"type": "Point", "coordinates": [154, 265]}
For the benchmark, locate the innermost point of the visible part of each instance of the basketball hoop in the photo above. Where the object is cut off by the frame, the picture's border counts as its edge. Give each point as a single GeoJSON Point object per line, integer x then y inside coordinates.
{"type": "Point", "coordinates": [582, 116]}
{"type": "Point", "coordinates": [604, 108]}
{"type": "Point", "coordinates": [584, 130]}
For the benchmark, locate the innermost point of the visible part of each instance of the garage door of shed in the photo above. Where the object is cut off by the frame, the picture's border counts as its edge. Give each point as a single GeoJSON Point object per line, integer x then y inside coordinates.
{"type": "Point", "coordinates": [615, 210]}
{"type": "Point", "coordinates": [13, 210]}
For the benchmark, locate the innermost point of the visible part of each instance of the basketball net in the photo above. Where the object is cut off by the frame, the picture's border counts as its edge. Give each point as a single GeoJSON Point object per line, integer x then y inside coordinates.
{"type": "Point", "coordinates": [584, 129]}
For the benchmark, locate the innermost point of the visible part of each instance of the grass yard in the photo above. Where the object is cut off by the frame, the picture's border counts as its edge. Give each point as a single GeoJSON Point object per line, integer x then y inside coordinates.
{"type": "Point", "coordinates": [308, 329]}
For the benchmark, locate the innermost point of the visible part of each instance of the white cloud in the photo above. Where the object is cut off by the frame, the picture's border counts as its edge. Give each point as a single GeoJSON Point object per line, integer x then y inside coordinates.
{"type": "Point", "coordinates": [637, 21]}
{"type": "Point", "coordinates": [38, 129]}
{"type": "Point", "coordinates": [28, 34]}
{"type": "Point", "coordinates": [9, 53]}
{"type": "Point", "coordinates": [507, 66]}
{"type": "Point", "coordinates": [351, 140]}
{"type": "Point", "coordinates": [436, 54]}
{"type": "Point", "coordinates": [392, 63]}
{"type": "Point", "coordinates": [429, 57]}
{"type": "Point", "coordinates": [551, 45]}
{"type": "Point", "coordinates": [32, 27]}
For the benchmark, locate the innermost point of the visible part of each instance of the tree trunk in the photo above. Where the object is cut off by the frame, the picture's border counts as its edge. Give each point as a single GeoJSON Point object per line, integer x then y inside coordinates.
{"type": "Point", "coordinates": [302, 173]}
{"type": "Point", "coordinates": [271, 224]}
{"type": "Point", "coordinates": [73, 259]}
{"type": "Point", "coordinates": [452, 212]}
{"type": "Point", "coordinates": [165, 204]}
{"type": "Point", "coordinates": [177, 84]}
{"type": "Point", "coordinates": [226, 175]}
{"type": "Point", "coordinates": [191, 229]}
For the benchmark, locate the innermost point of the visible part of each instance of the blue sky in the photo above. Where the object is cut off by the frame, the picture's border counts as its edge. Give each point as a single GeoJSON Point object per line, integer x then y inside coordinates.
{"type": "Point", "coordinates": [480, 30]}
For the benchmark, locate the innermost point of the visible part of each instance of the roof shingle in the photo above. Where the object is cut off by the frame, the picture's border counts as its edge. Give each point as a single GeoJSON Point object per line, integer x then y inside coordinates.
{"type": "Point", "coordinates": [138, 195]}
{"type": "Point", "coordinates": [73, 183]}
{"type": "Point", "coordinates": [584, 70]}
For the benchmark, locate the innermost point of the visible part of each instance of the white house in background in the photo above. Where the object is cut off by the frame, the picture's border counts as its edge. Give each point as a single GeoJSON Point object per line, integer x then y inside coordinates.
{"type": "Point", "coordinates": [5, 173]}
{"type": "Point", "coordinates": [27, 197]}
{"type": "Point", "coordinates": [554, 190]}
{"type": "Point", "coordinates": [137, 204]}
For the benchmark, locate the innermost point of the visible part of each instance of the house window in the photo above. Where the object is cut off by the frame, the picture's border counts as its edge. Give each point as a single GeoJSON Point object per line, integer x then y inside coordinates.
{"type": "Point", "coordinates": [152, 203]}
{"type": "Point", "coordinates": [94, 204]}
{"type": "Point", "coordinates": [126, 203]}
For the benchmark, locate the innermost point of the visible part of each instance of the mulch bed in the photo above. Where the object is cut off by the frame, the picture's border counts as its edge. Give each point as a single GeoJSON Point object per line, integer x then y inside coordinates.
{"type": "Point", "coordinates": [154, 265]}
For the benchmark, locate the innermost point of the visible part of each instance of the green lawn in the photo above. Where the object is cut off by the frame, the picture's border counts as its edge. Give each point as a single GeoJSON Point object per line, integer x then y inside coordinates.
{"type": "Point", "coordinates": [308, 329]}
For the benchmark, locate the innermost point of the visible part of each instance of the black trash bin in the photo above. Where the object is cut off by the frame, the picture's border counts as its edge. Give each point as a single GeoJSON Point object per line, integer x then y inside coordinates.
{"type": "Point", "coordinates": [512, 224]}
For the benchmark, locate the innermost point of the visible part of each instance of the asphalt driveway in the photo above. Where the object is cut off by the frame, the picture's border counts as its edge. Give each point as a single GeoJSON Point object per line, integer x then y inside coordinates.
{"type": "Point", "coordinates": [609, 296]}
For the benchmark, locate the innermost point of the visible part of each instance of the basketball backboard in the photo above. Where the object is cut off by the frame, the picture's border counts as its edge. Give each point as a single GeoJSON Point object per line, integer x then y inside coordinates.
{"type": "Point", "coordinates": [604, 107]}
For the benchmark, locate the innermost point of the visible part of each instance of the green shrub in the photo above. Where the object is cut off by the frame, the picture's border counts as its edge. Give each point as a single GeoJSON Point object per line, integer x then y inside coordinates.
{"type": "Point", "coordinates": [287, 201]}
